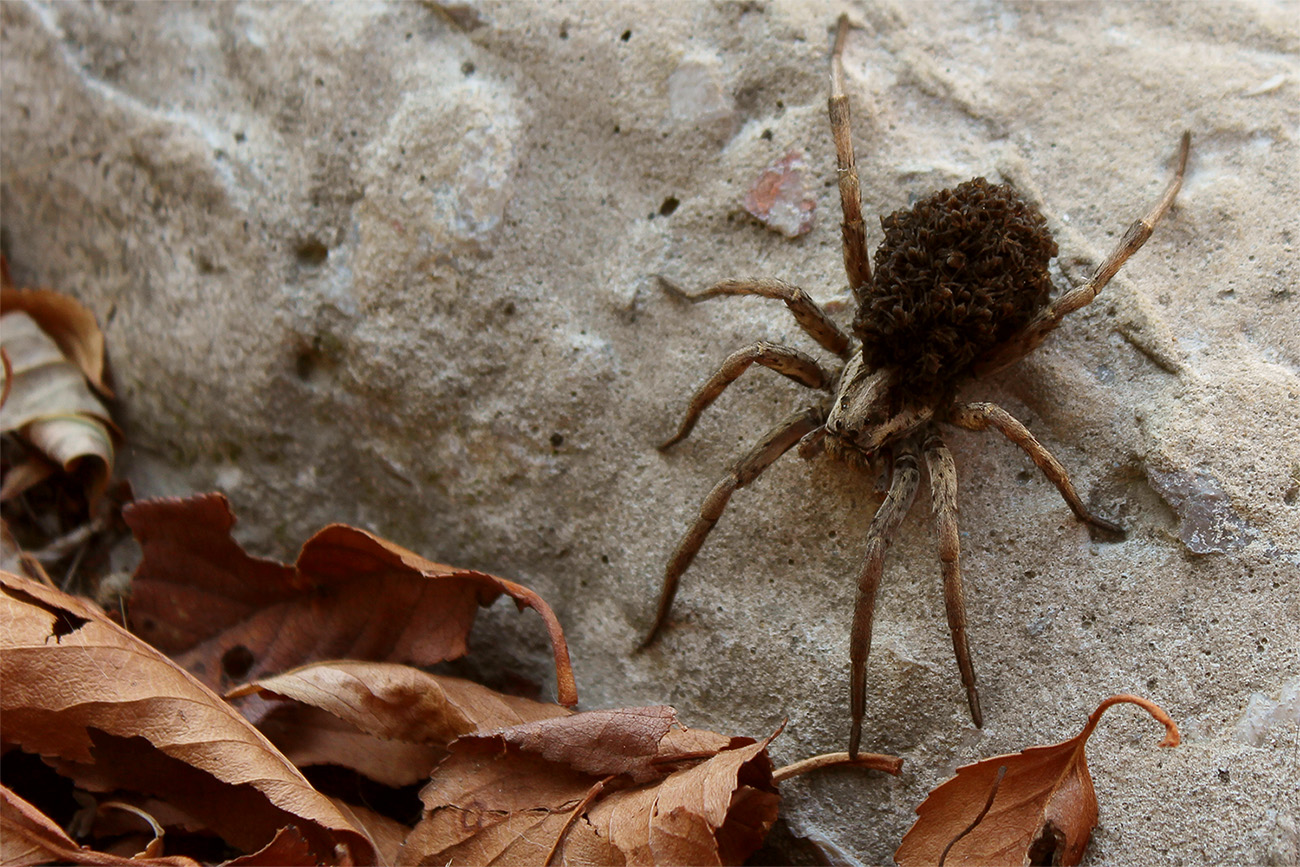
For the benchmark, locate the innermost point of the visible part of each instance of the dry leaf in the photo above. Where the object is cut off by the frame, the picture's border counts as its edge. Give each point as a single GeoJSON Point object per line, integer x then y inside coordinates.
{"type": "Point", "coordinates": [387, 834]}
{"type": "Point", "coordinates": [1043, 812]}
{"type": "Point", "coordinates": [390, 722]}
{"type": "Point", "coordinates": [228, 617]}
{"type": "Point", "coordinates": [112, 713]}
{"type": "Point", "coordinates": [68, 323]}
{"type": "Point", "coordinates": [28, 836]}
{"type": "Point", "coordinates": [49, 403]}
{"type": "Point", "coordinates": [288, 848]}
{"type": "Point", "coordinates": [596, 788]}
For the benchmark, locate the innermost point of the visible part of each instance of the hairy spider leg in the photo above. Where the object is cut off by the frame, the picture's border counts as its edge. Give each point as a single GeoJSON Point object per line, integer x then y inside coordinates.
{"type": "Point", "coordinates": [777, 442]}
{"type": "Point", "coordinates": [857, 263]}
{"type": "Point", "coordinates": [943, 500]}
{"type": "Point", "coordinates": [807, 312]}
{"type": "Point", "coordinates": [786, 361]}
{"type": "Point", "coordinates": [885, 524]}
{"type": "Point", "coordinates": [1021, 344]}
{"type": "Point", "coordinates": [979, 416]}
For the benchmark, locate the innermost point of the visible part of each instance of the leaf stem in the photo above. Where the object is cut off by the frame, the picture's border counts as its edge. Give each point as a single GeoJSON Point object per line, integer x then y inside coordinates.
{"type": "Point", "coordinates": [1171, 738]}
{"type": "Point", "coordinates": [874, 761]}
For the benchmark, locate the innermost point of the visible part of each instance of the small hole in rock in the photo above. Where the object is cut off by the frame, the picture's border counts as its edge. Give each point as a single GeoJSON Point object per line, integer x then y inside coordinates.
{"type": "Point", "coordinates": [557, 440]}
{"type": "Point", "coordinates": [304, 364]}
{"type": "Point", "coordinates": [467, 68]}
{"type": "Point", "coordinates": [670, 204]}
{"type": "Point", "coordinates": [312, 252]}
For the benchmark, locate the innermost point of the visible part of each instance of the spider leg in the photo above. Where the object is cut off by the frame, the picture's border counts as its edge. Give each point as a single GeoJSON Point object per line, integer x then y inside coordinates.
{"type": "Point", "coordinates": [809, 314]}
{"type": "Point", "coordinates": [978, 416]}
{"type": "Point", "coordinates": [777, 442]}
{"type": "Point", "coordinates": [857, 264]}
{"type": "Point", "coordinates": [785, 361]}
{"type": "Point", "coordinates": [943, 493]}
{"type": "Point", "coordinates": [902, 490]}
{"type": "Point", "coordinates": [1041, 325]}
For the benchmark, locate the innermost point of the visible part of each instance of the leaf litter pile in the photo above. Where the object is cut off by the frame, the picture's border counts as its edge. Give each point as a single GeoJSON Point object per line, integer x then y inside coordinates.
{"type": "Point", "coordinates": [245, 711]}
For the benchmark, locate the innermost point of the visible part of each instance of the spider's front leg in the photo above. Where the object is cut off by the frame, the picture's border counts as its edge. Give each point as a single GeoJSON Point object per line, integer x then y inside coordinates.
{"type": "Point", "coordinates": [778, 441]}
{"type": "Point", "coordinates": [788, 362]}
{"type": "Point", "coordinates": [902, 490]}
{"type": "Point", "coordinates": [807, 312]}
{"type": "Point", "coordinates": [857, 263]}
{"type": "Point", "coordinates": [1021, 344]}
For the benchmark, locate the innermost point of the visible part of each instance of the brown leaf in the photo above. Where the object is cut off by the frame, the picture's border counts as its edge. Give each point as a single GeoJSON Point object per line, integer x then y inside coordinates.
{"type": "Point", "coordinates": [386, 833]}
{"type": "Point", "coordinates": [288, 848]}
{"type": "Point", "coordinates": [68, 322]}
{"type": "Point", "coordinates": [389, 722]}
{"type": "Point", "coordinates": [596, 788]}
{"type": "Point", "coordinates": [50, 406]}
{"type": "Point", "coordinates": [28, 836]}
{"type": "Point", "coordinates": [113, 713]}
{"type": "Point", "coordinates": [229, 617]}
{"type": "Point", "coordinates": [1045, 806]}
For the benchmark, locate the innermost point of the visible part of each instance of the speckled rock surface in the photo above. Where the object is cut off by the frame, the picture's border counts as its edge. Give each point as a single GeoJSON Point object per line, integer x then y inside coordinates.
{"type": "Point", "coordinates": [393, 265]}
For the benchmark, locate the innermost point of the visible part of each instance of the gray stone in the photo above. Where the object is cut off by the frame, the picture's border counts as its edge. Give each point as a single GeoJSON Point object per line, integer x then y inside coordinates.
{"type": "Point", "coordinates": [392, 265]}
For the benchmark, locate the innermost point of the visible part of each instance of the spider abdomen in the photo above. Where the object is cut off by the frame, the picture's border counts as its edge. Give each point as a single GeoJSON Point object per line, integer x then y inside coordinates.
{"type": "Point", "coordinates": [961, 271]}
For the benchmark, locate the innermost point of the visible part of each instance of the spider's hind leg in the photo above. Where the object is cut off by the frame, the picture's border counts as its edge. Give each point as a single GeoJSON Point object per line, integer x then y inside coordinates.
{"type": "Point", "coordinates": [979, 416]}
{"type": "Point", "coordinates": [943, 492]}
{"type": "Point", "coordinates": [902, 490]}
{"type": "Point", "coordinates": [778, 441]}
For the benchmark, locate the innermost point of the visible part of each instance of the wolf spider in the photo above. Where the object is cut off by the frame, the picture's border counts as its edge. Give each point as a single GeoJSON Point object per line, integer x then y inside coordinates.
{"type": "Point", "coordinates": [960, 290]}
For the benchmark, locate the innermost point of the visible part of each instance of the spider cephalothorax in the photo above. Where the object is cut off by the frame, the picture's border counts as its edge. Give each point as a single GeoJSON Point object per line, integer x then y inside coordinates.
{"type": "Point", "coordinates": [960, 289]}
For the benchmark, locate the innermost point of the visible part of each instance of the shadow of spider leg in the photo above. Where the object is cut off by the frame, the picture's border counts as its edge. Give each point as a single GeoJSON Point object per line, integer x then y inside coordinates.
{"type": "Point", "coordinates": [979, 416]}
{"type": "Point", "coordinates": [884, 525]}
{"type": "Point", "coordinates": [778, 441]}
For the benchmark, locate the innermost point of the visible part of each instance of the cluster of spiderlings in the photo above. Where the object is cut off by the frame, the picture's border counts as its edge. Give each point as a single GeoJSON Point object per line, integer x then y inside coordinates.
{"type": "Point", "coordinates": [959, 273]}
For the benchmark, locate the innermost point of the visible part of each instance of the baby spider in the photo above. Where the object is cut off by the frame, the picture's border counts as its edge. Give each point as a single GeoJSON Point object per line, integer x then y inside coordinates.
{"type": "Point", "coordinates": [960, 290]}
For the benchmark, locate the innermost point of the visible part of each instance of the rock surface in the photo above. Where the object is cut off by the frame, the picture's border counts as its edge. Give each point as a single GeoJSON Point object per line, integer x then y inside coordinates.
{"type": "Point", "coordinates": [393, 265]}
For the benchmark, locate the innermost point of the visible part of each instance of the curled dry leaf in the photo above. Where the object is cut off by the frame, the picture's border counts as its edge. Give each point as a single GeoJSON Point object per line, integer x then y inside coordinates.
{"type": "Point", "coordinates": [603, 787]}
{"type": "Point", "coordinates": [68, 323]}
{"type": "Point", "coordinates": [28, 836]}
{"type": "Point", "coordinates": [114, 714]}
{"type": "Point", "coordinates": [390, 722]}
{"type": "Point", "coordinates": [228, 617]}
{"type": "Point", "coordinates": [1043, 812]}
{"type": "Point", "coordinates": [54, 354]}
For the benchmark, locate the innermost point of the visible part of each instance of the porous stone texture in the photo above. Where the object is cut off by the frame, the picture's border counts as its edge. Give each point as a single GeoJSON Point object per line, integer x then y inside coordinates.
{"type": "Point", "coordinates": [393, 265]}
